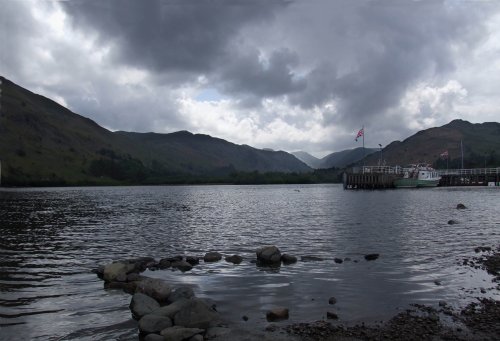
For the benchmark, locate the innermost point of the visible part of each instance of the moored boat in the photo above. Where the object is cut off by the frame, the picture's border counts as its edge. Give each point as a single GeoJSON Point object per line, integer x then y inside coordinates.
{"type": "Point", "coordinates": [420, 175]}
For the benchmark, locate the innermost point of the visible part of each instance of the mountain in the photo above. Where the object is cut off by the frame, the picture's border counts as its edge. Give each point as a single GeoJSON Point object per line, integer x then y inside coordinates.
{"type": "Point", "coordinates": [337, 159]}
{"type": "Point", "coordinates": [344, 158]}
{"type": "Point", "coordinates": [481, 146]}
{"type": "Point", "coordinates": [308, 159]}
{"type": "Point", "coordinates": [41, 142]}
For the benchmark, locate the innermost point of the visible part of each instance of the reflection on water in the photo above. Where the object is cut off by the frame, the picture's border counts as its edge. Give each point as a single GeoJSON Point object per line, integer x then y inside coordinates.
{"type": "Point", "coordinates": [51, 238]}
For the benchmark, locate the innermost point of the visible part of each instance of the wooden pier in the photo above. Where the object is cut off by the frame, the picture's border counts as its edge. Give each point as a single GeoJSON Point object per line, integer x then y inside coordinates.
{"type": "Point", "coordinates": [382, 177]}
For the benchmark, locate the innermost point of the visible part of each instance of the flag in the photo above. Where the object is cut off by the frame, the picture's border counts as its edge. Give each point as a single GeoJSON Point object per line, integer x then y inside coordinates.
{"type": "Point", "coordinates": [361, 132]}
{"type": "Point", "coordinates": [444, 154]}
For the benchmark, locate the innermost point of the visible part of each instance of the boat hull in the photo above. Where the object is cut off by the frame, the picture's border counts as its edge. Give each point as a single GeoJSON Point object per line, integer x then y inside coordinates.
{"type": "Point", "coordinates": [414, 183]}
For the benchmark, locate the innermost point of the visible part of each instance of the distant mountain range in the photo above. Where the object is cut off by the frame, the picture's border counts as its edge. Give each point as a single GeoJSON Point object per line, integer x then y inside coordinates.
{"type": "Point", "coordinates": [340, 159]}
{"type": "Point", "coordinates": [41, 142]}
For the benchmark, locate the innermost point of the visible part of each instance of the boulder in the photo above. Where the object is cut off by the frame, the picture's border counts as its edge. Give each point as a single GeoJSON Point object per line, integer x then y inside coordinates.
{"type": "Point", "coordinates": [141, 305]}
{"type": "Point", "coordinates": [154, 337]}
{"type": "Point", "coordinates": [134, 276]}
{"type": "Point", "coordinates": [164, 263]}
{"type": "Point", "coordinates": [338, 260]}
{"type": "Point", "coordinates": [155, 288]}
{"type": "Point", "coordinates": [196, 314]}
{"type": "Point", "coordinates": [117, 270]}
{"type": "Point", "coordinates": [461, 207]}
{"type": "Point", "coordinates": [99, 271]}
{"type": "Point", "coordinates": [182, 265]}
{"type": "Point", "coordinates": [193, 260]}
{"type": "Point", "coordinates": [171, 309]}
{"type": "Point", "coordinates": [196, 337]}
{"type": "Point", "coordinates": [268, 255]}
{"type": "Point", "coordinates": [235, 259]}
{"type": "Point", "coordinates": [154, 323]}
{"type": "Point", "coordinates": [452, 222]}
{"type": "Point", "coordinates": [332, 300]}
{"type": "Point", "coordinates": [331, 315]}
{"type": "Point", "coordinates": [212, 257]}
{"type": "Point", "coordinates": [288, 259]}
{"type": "Point", "coordinates": [181, 293]}
{"type": "Point", "coordinates": [178, 333]}
{"type": "Point", "coordinates": [372, 256]}
{"type": "Point", "coordinates": [277, 314]}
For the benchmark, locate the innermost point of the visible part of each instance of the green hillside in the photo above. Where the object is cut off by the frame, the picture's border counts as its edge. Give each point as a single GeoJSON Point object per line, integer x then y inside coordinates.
{"type": "Point", "coordinates": [43, 143]}
{"type": "Point", "coordinates": [481, 146]}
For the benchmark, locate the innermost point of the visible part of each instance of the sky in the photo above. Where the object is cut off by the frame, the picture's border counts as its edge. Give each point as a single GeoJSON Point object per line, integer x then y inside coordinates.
{"type": "Point", "coordinates": [281, 74]}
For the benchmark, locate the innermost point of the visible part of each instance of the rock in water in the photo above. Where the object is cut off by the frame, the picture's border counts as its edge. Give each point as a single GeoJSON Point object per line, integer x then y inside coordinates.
{"type": "Point", "coordinates": [277, 314]}
{"type": "Point", "coordinates": [268, 255]}
{"type": "Point", "coordinates": [154, 337]}
{"type": "Point", "coordinates": [141, 305]}
{"type": "Point", "coordinates": [182, 265]}
{"type": "Point", "coordinates": [332, 300]}
{"type": "Point", "coordinates": [178, 333]}
{"type": "Point", "coordinates": [164, 263]}
{"type": "Point", "coordinates": [116, 270]}
{"type": "Point", "coordinates": [155, 288]}
{"type": "Point", "coordinates": [193, 260]}
{"type": "Point", "coordinates": [288, 259]}
{"type": "Point", "coordinates": [452, 222]}
{"type": "Point", "coordinates": [332, 316]}
{"type": "Point", "coordinates": [235, 259]}
{"type": "Point", "coordinates": [181, 293]}
{"type": "Point", "coordinates": [212, 257]}
{"type": "Point", "coordinates": [338, 260]}
{"type": "Point", "coordinates": [461, 206]}
{"type": "Point", "coordinates": [154, 323]}
{"type": "Point", "coordinates": [372, 256]}
{"type": "Point", "coordinates": [196, 314]}
{"type": "Point", "coordinates": [172, 309]}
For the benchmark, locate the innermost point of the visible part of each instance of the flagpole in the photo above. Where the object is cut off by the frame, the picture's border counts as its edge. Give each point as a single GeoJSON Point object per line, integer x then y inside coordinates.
{"type": "Point", "coordinates": [363, 129]}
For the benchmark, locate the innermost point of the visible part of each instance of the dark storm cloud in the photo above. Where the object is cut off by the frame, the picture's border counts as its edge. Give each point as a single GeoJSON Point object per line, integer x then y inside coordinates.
{"type": "Point", "coordinates": [387, 47]}
{"type": "Point", "coordinates": [169, 35]}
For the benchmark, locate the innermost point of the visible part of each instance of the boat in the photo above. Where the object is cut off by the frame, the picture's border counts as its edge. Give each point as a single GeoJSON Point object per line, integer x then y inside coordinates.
{"type": "Point", "coordinates": [420, 175]}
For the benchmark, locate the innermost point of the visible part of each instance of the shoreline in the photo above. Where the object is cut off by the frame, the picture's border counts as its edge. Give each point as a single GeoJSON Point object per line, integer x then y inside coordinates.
{"type": "Point", "coordinates": [478, 320]}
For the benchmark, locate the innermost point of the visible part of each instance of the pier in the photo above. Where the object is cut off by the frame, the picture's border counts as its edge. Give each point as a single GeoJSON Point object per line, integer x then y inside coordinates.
{"type": "Point", "coordinates": [382, 177]}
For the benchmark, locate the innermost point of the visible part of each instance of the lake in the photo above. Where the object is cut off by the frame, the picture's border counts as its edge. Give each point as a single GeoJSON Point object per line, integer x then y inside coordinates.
{"type": "Point", "coordinates": [51, 238]}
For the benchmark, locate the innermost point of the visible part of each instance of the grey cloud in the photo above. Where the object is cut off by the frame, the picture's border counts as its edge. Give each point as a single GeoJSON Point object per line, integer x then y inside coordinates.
{"type": "Point", "coordinates": [178, 35]}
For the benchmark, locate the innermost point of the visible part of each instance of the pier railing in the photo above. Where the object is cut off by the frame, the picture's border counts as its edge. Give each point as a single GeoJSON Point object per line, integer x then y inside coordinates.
{"type": "Point", "coordinates": [401, 170]}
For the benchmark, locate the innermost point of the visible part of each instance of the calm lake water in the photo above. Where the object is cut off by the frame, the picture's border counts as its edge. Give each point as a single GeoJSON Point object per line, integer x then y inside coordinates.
{"type": "Point", "coordinates": [52, 238]}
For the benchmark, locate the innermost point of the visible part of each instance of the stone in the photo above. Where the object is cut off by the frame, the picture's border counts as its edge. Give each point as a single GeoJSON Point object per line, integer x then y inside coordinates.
{"type": "Point", "coordinates": [154, 323]}
{"type": "Point", "coordinates": [117, 269]}
{"type": "Point", "coordinates": [277, 314]}
{"type": "Point", "coordinates": [235, 259]}
{"type": "Point", "coordinates": [212, 257]}
{"type": "Point", "coordinates": [155, 288]}
{"type": "Point", "coordinates": [332, 300]}
{"type": "Point", "coordinates": [171, 309]}
{"type": "Point", "coordinates": [134, 276]}
{"type": "Point", "coordinates": [141, 305]}
{"type": "Point", "coordinates": [181, 293]}
{"type": "Point", "coordinates": [178, 333]}
{"type": "Point", "coordinates": [461, 206]}
{"type": "Point", "coordinates": [196, 337]}
{"type": "Point", "coordinates": [216, 332]}
{"type": "Point", "coordinates": [268, 255]}
{"type": "Point", "coordinates": [99, 271]}
{"type": "Point", "coordinates": [196, 314]}
{"type": "Point", "coordinates": [338, 260]}
{"type": "Point", "coordinates": [154, 337]}
{"type": "Point", "coordinates": [244, 318]}
{"type": "Point", "coordinates": [288, 259]}
{"type": "Point", "coordinates": [164, 263]}
{"type": "Point", "coordinates": [130, 287]}
{"type": "Point", "coordinates": [372, 256]}
{"type": "Point", "coordinates": [332, 316]}
{"type": "Point", "coordinates": [437, 282]}
{"type": "Point", "coordinates": [311, 259]}
{"type": "Point", "coordinates": [442, 304]}
{"type": "Point", "coordinates": [193, 260]}
{"type": "Point", "coordinates": [182, 265]}
{"type": "Point", "coordinates": [452, 222]}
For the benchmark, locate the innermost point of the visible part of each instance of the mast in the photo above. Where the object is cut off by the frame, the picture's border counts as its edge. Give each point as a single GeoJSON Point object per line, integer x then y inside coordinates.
{"type": "Point", "coordinates": [462, 152]}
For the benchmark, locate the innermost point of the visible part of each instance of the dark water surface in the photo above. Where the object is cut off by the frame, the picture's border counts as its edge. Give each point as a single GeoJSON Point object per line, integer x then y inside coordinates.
{"type": "Point", "coordinates": [52, 238]}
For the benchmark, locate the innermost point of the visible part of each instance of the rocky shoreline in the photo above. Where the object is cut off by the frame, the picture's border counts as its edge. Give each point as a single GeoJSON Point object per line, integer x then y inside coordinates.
{"type": "Point", "coordinates": [176, 314]}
